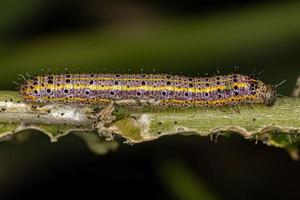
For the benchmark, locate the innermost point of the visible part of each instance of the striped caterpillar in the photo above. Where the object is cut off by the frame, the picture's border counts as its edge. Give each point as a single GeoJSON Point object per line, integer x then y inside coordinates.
{"type": "Point", "coordinates": [166, 90]}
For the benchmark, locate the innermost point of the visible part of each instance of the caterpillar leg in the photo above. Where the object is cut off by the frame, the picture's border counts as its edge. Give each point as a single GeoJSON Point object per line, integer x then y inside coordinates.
{"type": "Point", "coordinates": [103, 118]}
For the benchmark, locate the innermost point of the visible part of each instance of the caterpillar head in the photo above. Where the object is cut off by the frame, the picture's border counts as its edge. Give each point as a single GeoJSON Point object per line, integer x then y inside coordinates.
{"type": "Point", "coordinates": [270, 96]}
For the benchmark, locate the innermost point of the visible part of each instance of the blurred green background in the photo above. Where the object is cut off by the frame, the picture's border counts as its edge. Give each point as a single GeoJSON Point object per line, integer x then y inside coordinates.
{"type": "Point", "coordinates": [188, 37]}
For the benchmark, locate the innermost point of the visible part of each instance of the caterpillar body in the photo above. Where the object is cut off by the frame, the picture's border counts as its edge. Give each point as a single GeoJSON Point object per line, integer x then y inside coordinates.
{"type": "Point", "coordinates": [165, 89]}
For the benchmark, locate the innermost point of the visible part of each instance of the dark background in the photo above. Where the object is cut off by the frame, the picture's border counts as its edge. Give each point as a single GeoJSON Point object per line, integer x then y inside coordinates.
{"type": "Point", "coordinates": [188, 37]}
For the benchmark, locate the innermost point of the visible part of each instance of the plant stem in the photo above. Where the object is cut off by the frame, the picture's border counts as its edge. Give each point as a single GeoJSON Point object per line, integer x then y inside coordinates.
{"type": "Point", "coordinates": [278, 125]}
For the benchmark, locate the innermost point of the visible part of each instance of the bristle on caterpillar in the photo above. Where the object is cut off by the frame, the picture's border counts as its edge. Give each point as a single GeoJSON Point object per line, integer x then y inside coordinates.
{"type": "Point", "coordinates": [167, 90]}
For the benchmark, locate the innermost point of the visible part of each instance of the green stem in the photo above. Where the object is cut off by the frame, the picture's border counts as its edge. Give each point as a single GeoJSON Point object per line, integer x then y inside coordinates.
{"type": "Point", "coordinates": [278, 125]}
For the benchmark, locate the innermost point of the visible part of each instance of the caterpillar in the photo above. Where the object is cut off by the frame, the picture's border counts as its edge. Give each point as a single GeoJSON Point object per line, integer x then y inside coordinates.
{"type": "Point", "coordinates": [165, 89]}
